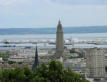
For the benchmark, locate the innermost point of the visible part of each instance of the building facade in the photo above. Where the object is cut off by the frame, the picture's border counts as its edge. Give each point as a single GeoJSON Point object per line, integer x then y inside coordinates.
{"type": "Point", "coordinates": [95, 63]}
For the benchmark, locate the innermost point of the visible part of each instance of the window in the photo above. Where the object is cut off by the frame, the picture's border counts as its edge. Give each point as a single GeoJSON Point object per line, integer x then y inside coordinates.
{"type": "Point", "coordinates": [106, 69]}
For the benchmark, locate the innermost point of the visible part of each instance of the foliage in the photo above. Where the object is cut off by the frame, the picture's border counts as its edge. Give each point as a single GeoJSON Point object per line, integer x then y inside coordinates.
{"type": "Point", "coordinates": [19, 62]}
{"type": "Point", "coordinates": [11, 62]}
{"type": "Point", "coordinates": [51, 72]}
{"type": "Point", "coordinates": [73, 51]}
{"type": "Point", "coordinates": [5, 56]}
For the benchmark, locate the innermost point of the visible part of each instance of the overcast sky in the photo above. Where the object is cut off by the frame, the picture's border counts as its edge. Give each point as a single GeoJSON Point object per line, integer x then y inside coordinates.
{"type": "Point", "coordinates": [46, 13]}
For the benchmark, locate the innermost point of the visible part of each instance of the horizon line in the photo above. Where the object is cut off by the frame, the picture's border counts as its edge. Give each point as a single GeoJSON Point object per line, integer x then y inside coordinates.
{"type": "Point", "coordinates": [51, 27]}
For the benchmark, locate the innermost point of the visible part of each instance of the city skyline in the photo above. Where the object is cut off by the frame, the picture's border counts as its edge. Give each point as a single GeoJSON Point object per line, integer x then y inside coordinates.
{"type": "Point", "coordinates": [46, 13]}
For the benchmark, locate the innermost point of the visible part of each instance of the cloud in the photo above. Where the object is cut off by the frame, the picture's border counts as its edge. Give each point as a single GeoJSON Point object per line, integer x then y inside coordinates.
{"type": "Point", "coordinates": [5, 2]}
{"type": "Point", "coordinates": [9, 2]}
{"type": "Point", "coordinates": [82, 2]}
{"type": "Point", "coordinates": [45, 13]}
{"type": "Point", "coordinates": [48, 1]}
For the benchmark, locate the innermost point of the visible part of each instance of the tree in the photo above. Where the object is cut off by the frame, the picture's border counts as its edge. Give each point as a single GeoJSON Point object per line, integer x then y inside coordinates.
{"type": "Point", "coordinates": [54, 72]}
{"type": "Point", "coordinates": [46, 72]}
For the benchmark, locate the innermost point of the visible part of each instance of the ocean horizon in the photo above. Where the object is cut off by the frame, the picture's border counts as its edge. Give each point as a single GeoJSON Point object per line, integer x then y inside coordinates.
{"type": "Point", "coordinates": [67, 30]}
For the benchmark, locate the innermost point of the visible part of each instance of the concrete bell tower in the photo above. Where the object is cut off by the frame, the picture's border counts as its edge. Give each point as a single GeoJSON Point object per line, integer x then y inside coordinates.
{"type": "Point", "coordinates": [59, 41]}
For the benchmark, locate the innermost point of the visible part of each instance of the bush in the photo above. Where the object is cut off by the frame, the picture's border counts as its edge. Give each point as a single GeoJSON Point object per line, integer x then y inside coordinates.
{"type": "Point", "coordinates": [5, 56]}
{"type": "Point", "coordinates": [11, 62]}
{"type": "Point", "coordinates": [73, 51]}
{"type": "Point", "coordinates": [19, 62]}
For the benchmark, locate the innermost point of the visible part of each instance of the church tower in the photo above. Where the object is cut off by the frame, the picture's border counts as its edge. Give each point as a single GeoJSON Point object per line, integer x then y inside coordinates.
{"type": "Point", "coordinates": [36, 62]}
{"type": "Point", "coordinates": [59, 41]}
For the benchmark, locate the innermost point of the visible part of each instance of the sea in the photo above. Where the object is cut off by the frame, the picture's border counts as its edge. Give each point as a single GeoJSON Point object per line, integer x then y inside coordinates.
{"type": "Point", "coordinates": [90, 32]}
{"type": "Point", "coordinates": [46, 33]}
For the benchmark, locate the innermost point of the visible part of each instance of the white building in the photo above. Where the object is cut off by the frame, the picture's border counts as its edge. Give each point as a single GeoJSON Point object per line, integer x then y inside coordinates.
{"type": "Point", "coordinates": [1, 59]}
{"type": "Point", "coordinates": [95, 63]}
{"type": "Point", "coordinates": [17, 58]}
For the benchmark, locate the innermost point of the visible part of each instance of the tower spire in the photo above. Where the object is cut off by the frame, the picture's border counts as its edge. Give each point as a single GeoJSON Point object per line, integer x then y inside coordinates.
{"type": "Point", "coordinates": [59, 27]}
{"type": "Point", "coordinates": [36, 61]}
{"type": "Point", "coordinates": [59, 21]}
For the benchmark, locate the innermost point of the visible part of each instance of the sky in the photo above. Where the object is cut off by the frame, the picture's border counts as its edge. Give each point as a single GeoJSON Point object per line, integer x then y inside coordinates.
{"type": "Point", "coordinates": [46, 13]}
